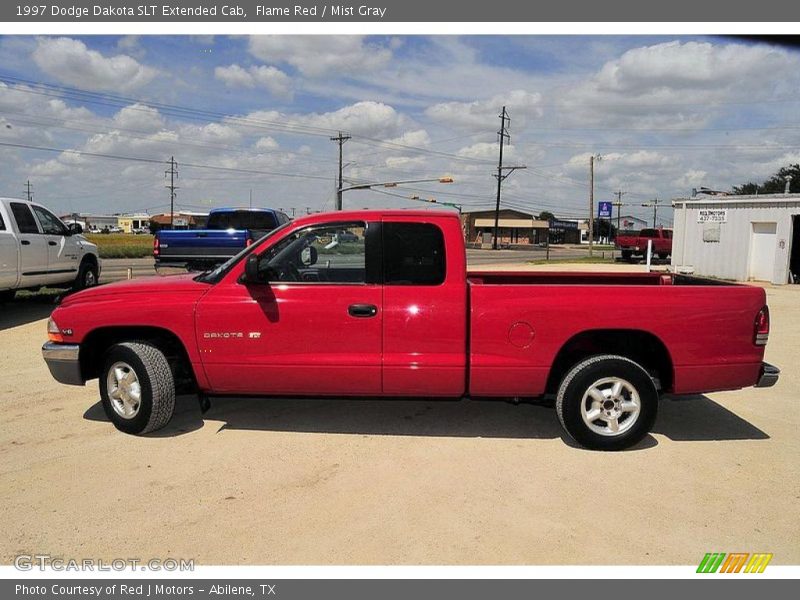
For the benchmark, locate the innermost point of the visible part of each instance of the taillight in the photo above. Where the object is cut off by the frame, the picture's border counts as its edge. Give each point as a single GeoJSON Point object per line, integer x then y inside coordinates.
{"type": "Point", "coordinates": [761, 328]}
{"type": "Point", "coordinates": [156, 246]}
{"type": "Point", "coordinates": [248, 242]}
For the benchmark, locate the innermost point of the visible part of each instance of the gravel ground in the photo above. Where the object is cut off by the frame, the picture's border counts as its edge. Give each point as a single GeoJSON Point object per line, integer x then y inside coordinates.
{"type": "Point", "coordinates": [281, 481]}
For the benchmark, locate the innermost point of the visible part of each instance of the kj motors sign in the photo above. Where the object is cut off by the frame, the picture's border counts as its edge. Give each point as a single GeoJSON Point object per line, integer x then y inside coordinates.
{"type": "Point", "coordinates": [709, 215]}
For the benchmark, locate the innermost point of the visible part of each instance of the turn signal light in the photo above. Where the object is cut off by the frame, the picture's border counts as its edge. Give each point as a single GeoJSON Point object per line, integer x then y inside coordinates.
{"type": "Point", "coordinates": [156, 246]}
{"type": "Point", "coordinates": [761, 328]}
{"type": "Point", "coordinates": [53, 332]}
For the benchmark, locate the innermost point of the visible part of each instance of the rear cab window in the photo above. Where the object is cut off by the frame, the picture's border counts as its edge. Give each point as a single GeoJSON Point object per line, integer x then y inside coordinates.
{"type": "Point", "coordinates": [413, 254]}
{"type": "Point", "coordinates": [24, 218]}
{"type": "Point", "coordinates": [243, 219]}
{"type": "Point", "coordinates": [648, 233]}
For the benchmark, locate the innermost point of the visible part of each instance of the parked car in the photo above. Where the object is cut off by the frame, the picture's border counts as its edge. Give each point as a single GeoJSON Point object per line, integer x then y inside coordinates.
{"type": "Point", "coordinates": [37, 249]}
{"type": "Point", "coordinates": [631, 245]}
{"type": "Point", "coordinates": [404, 318]}
{"type": "Point", "coordinates": [346, 236]}
{"type": "Point", "coordinates": [228, 231]}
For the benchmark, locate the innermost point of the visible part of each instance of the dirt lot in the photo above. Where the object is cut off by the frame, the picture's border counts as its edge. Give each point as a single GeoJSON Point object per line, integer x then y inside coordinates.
{"type": "Point", "coordinates": [393, 482]}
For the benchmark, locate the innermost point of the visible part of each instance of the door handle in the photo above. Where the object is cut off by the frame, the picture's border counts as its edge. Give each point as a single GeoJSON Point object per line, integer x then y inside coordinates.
{"type": "Point", "coordinates": [52, 243]}
{"type": "Point", "coordinates": [25, 242]}
{"type": "Point", "coordinates": [362, 310]}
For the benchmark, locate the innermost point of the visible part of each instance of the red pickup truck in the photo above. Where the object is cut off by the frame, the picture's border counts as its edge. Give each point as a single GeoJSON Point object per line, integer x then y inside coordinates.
{"type": "Point", "coordinates": [380, 303]}
{"type": "Point", "coordinates": [637, 244]}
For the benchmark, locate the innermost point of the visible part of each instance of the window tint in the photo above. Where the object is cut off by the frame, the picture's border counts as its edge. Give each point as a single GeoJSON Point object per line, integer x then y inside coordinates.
{"type": "Point", "coordinates": [331, 253]}
{"type": "Point", "coordinates": [24, 218]}
{"type": "Point", "coordinates": [242, 219]}
{"type": "Point", "coordinates": [2, 224]}
{"type": "Point", "coordinates": [648, 233]}
{"type": "Point", "coordinates": [413, 254]}
{"type": "Point", "coordinates": [51, 225]}
{"type": "Point", "coordinates": [668, 234]}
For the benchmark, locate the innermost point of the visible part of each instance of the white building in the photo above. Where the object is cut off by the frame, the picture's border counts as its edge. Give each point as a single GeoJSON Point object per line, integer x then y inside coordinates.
{"type": "Point", "coordinates": [741, 238]}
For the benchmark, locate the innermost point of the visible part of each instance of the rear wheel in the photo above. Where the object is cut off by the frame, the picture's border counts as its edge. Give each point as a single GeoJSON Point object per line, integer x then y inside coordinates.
{"type": "Point", "coordinates": [137, 387]}
{"type": "Point", "coordinates": [627, 254]}
{"type": "Point", "coordinates": [607, 402]}
{"type": "Point", "coordinates": [663, 255]}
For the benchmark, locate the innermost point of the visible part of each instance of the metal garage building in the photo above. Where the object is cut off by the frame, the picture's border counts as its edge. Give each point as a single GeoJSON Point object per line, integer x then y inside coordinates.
{"type": "Point", "coordinates": [738, 237]}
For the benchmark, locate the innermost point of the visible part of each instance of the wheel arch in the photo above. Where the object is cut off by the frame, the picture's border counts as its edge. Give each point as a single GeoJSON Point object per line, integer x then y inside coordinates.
{"type": "Point", "coordinates": [640, 346]}
{"type": "Point", "coordinates": [98, 341]}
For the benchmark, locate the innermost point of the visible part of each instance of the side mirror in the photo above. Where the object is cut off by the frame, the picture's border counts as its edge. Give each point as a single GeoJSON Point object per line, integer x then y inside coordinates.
{"type": "Point", "coordinates": [308, 256]}
{"type": "Point", "coordinates": [251, 272]}
{"type": "Point", "coordinates": [75, 229]}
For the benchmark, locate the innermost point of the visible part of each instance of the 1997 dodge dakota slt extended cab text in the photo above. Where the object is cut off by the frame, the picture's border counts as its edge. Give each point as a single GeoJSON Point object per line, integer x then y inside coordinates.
{"type": "Point", "coordinates": [393, 311]}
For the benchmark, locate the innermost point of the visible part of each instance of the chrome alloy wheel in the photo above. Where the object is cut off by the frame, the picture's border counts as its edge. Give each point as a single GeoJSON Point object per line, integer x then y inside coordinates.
{"type": "Point", "coordinates": [610, 406]}
{"type": "Point", "coordinates": [89, 279]}
{"type": "Point", "coordinates": [124, 390]}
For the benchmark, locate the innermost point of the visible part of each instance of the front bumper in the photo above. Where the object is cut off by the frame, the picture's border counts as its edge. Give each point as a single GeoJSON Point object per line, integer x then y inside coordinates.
{"type": "Point", "coordinates": [63, 362]}
{"type": "Point", "coordinates": [768, 376]}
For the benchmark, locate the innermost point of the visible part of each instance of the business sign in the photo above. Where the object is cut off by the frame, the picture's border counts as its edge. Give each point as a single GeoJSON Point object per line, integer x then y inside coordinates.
{"type": "Point", "coordinates": [559, 224]}
{"type": "Point", "coordinates": [604, 210]}
{"type": "Point", "coordinates": [180, 222]}
{"type": "Point", "coordinates": [712, 215]}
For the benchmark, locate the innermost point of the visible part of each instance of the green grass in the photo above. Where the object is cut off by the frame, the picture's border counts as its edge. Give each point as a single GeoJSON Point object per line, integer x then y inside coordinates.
{"type": "Point", "coordinates": [122, 245]}
{"type": "Point", "coordinates": [590, 260]}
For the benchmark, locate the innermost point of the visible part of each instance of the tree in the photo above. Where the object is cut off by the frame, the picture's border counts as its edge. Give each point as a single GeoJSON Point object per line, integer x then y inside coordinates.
{"type": "Point", "coordinates": [775, 184]}
{"type": "Point", "coordinates": [546, 215]}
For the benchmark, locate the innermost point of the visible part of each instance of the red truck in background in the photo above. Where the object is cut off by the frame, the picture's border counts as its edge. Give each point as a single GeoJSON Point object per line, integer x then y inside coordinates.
{"type": "Point", "coordinates": [380, 303]}
{"type": "Point", "coordinates": [660, 237]}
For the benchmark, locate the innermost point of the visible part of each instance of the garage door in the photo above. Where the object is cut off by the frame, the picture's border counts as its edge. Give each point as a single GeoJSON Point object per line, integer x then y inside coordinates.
{"type": "Point", "coordinates": [762, 251]}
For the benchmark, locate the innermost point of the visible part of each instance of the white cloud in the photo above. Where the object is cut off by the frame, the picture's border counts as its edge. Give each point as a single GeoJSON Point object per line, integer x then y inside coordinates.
{"type": "Point", "coordinates": [320, 55]}
{"type": "Point", "coordinates": [71, 62]}
{"type": "Point", "coordinates": [278, 83]}
{"type": "Point", "coordinates": [138, 117]}
{"type": "Point", "coordinates": [266, 143]}
{"type": "Point", "coordinates": [522, 106]}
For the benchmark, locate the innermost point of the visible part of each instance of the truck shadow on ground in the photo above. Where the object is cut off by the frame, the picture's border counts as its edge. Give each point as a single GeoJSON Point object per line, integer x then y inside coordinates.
{"type": "Point", "coordinates": [24, 310]}
{"type": "Point", "coordinates": [692, 419]}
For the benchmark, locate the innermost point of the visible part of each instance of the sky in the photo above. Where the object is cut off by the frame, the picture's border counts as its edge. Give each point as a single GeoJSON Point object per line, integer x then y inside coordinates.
{"type": "Point", "coordinates": [92, 120]}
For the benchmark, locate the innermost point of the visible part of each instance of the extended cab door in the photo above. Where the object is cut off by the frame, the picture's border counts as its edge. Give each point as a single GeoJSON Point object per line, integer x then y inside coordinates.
{"type": "Point", "coordinates": [424, 306]}
{"type": "Point", "coordinates": [314, 328]}
{"type": "Point", "coordinates": [32, 246]}
{"type": "Point", "coordinates": [9, 253]}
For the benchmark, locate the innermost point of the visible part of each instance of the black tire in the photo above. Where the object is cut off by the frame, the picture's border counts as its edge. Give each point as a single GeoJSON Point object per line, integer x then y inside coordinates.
{"type": "Point", "coordinates": [627, 254]}
{"type": "Point", "coordinates": [7, 296]}
{"type": "Point", "coordinates": [663, 256]}
{"type": "Point", "coordinates": [87, 276]}
{"type": "Point", "coordinates": [584, 376]}
{"type": "Point", "coordinates": [156, 382]}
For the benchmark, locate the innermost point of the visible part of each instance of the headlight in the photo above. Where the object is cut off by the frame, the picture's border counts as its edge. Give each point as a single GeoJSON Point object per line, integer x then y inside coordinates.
{"type": "Point", "coordinates": [53, 331]}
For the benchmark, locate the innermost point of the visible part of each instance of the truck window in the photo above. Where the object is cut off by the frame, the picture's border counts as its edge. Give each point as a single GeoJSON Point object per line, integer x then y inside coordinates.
{"type": "Point", "coordinates": [2, 224]}
{"type": "Point", "coordinates": [668, 234]}
{"type": "Point", "coordinates": [242, 219]}
{"type": "Point", "coordinates": [24, 218]}
{"type": "Point", "coordinates": [648, 233]}
{"type": "Point", "coordinates": [51, 225]}
{"type": "Point", "coordinates": [329, 253]}
{"type": "Point", "coordinates": [413, 254]}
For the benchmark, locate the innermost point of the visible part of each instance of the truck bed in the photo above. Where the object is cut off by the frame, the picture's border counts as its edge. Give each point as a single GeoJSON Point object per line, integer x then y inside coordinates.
{"type": "Point", "coordinates": [517, 331]}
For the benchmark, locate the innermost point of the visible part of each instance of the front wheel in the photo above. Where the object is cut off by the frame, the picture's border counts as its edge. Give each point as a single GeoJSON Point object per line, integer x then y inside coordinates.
{"type": "Point", "coordinates": [627, 254]}
{"type": "Point", "coordinates": [87, 276]}
{"type": "Point", "coordinates": [7, 295]}
{"type": "Point", "coordinates": [607, 402]}
{"type": "Point", "coordinates": [137, 387]}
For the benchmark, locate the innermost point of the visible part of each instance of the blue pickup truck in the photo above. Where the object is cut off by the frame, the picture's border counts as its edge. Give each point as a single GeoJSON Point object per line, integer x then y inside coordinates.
{"type": "Point", "coordinates": [227, 232]}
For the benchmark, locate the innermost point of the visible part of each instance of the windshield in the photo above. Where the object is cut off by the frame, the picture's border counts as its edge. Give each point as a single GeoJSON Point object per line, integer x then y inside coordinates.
{"type": "Point", "coordinates": [217, 273]}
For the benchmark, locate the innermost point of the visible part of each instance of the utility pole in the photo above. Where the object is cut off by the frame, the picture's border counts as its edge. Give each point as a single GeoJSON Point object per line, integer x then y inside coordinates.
{"type": "Point", "coordinates": [172, 172]}
{"type": "Point", "coordinates": [293, 212]}
{"type": "Point", "coordinates": [501, 176]}
{"type": "Point", "coordinates": [340, 139]}
{"type": "Point", "coordinates": [29, 190]}
{"type": "Point", "coordinates": [618, 204]}
{"type": "Point", "coordinates": [654, 205]}
{"type": "Point", "coordinates": [592, 158]}
{"type": "Point", "coordinates": [251, 197]}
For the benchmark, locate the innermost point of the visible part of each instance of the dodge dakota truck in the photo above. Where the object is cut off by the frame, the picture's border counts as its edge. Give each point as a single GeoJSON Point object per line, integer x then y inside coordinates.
{"type": "Point", "coordinates": [393, 311]}
{"type": "Point", "coordinates": [228, 231]}
{"type": "Point", "coordinates": [660, 239]}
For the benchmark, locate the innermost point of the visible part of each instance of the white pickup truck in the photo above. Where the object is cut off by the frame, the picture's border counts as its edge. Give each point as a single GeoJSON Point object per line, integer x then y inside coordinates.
{"type": "Point", "coordinates": [37, 249]}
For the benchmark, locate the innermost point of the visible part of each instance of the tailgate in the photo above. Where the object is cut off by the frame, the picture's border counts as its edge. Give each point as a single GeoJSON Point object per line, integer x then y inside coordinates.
{"type": "Point", "coordinates": [200, 244]}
